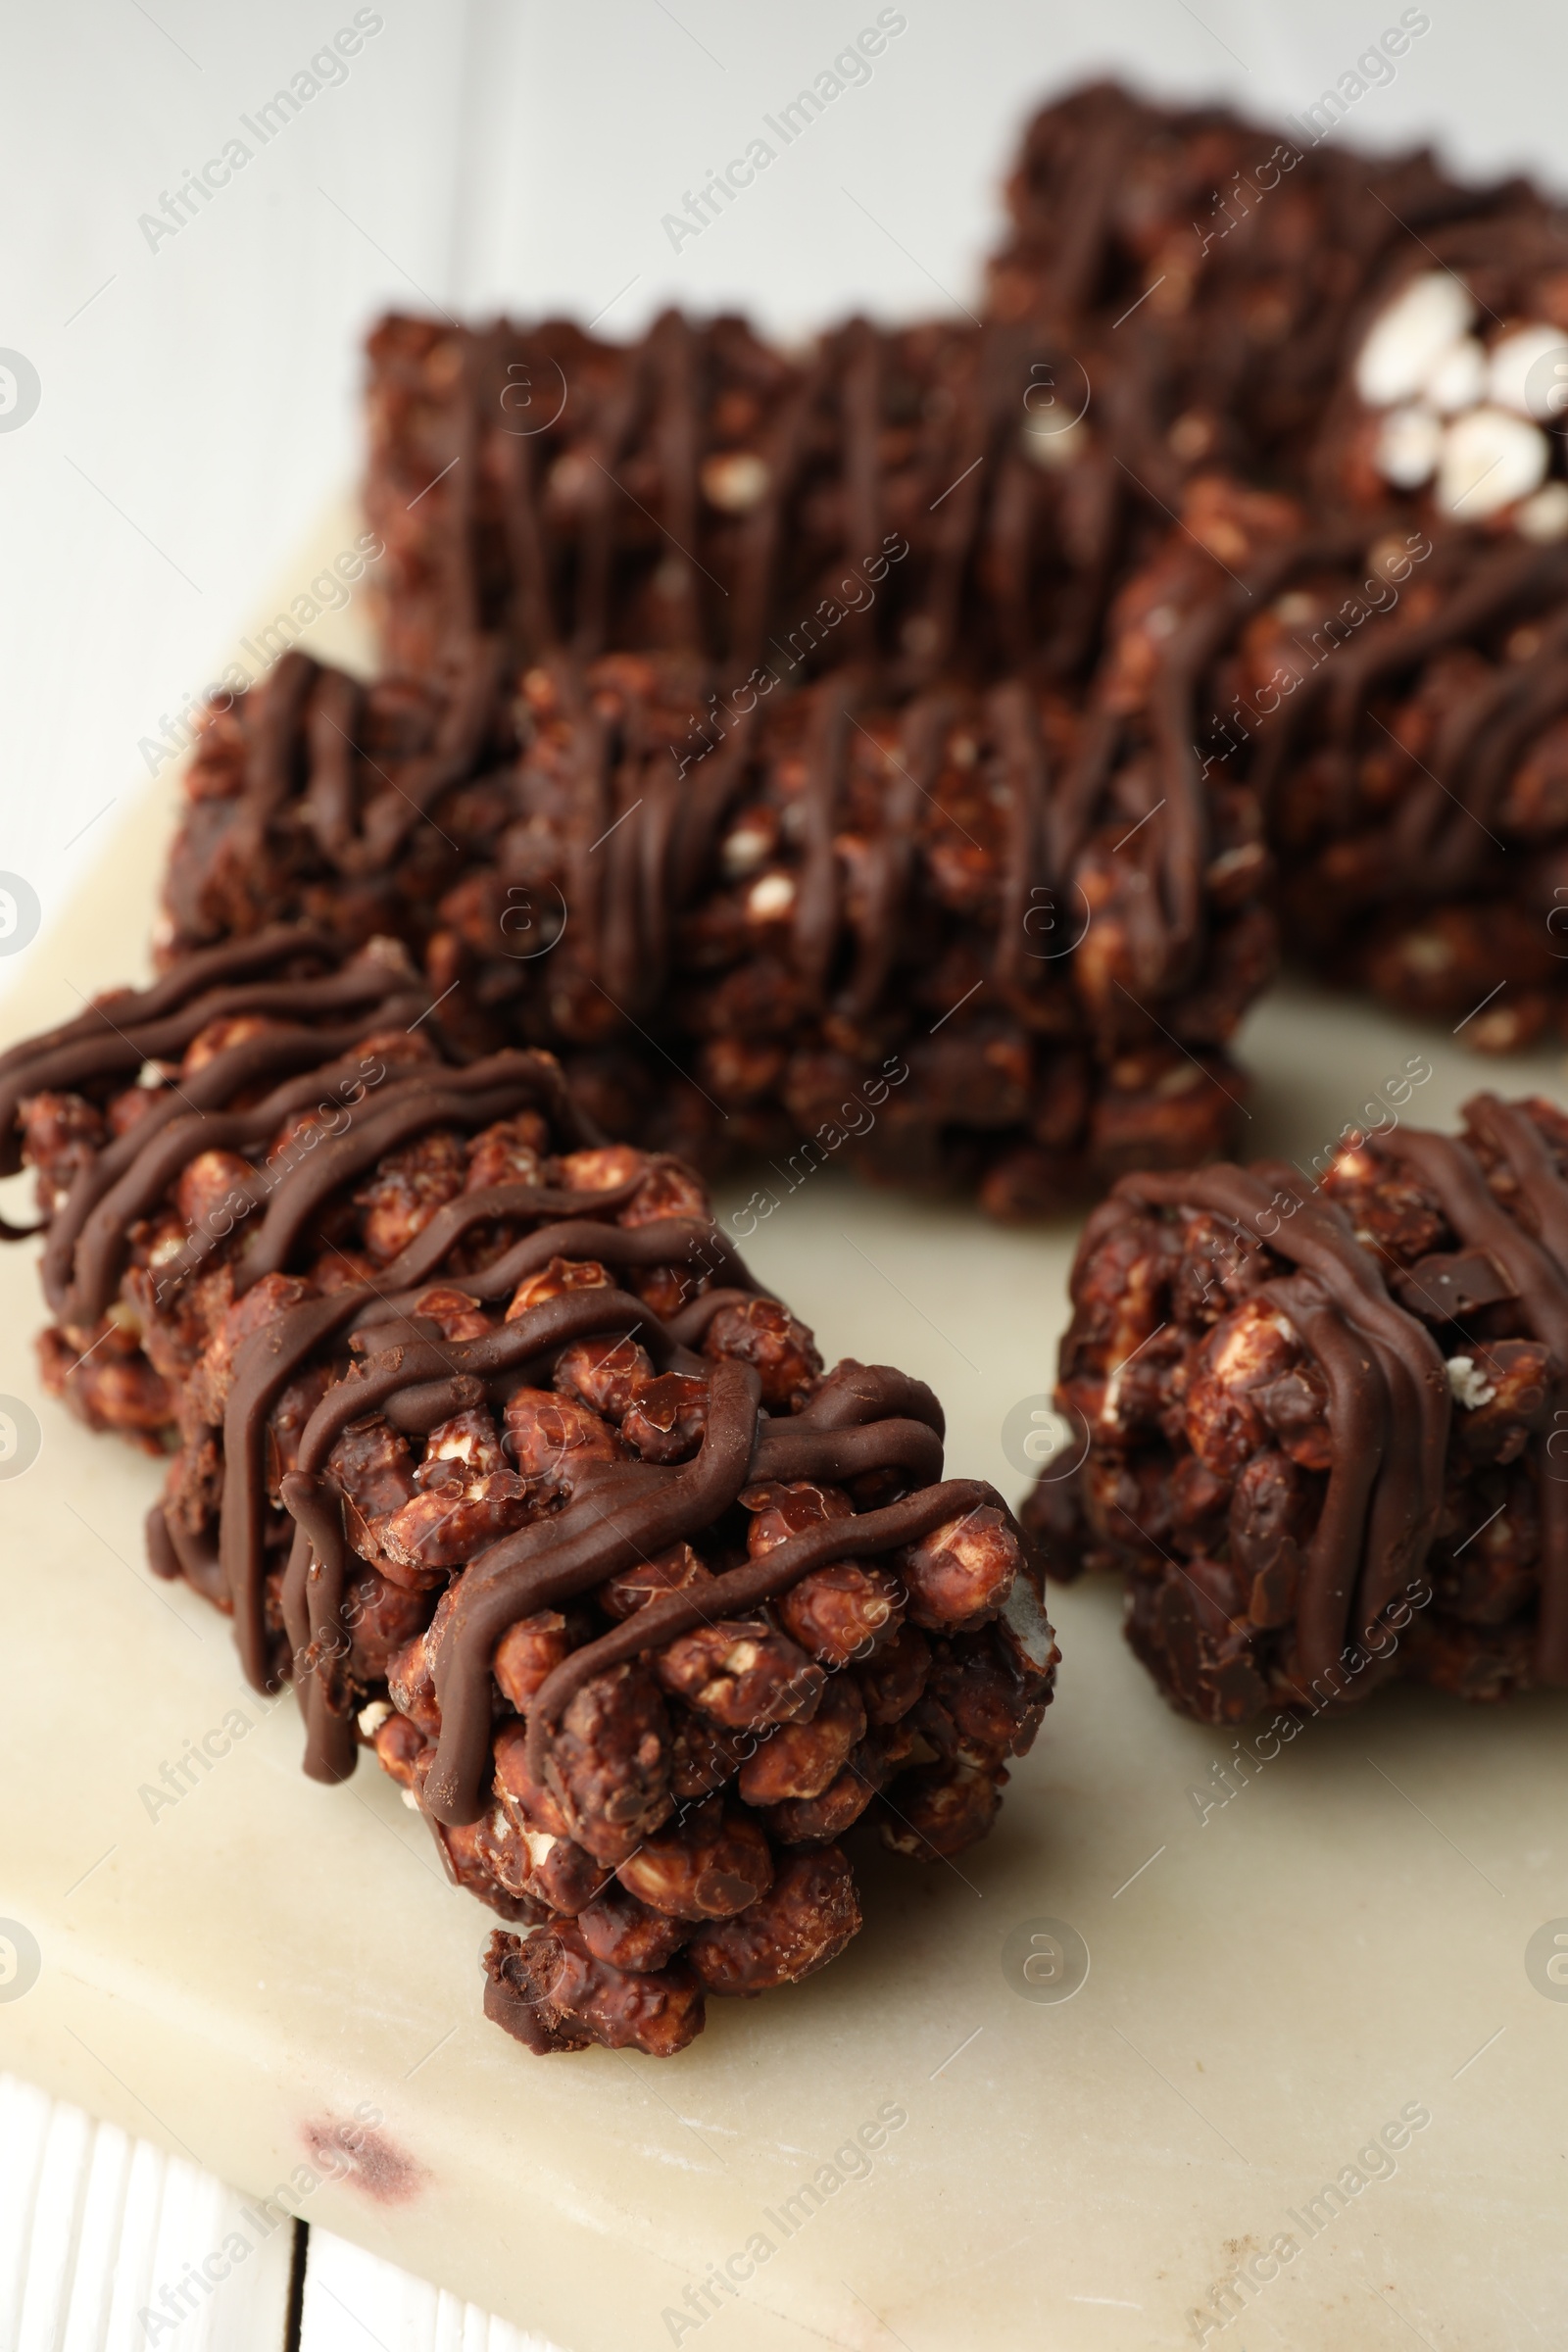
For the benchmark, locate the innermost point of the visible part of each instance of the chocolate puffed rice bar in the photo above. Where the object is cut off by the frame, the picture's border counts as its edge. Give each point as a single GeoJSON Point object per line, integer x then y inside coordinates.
{"type": "Point", "coordinates": [1321, 1426]}
{"type": "Point", "coordinates": [486, 1438]}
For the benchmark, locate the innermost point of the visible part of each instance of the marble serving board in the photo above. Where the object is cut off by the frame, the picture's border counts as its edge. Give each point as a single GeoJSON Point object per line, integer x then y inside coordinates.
{"type": "Point", "coordinates": [1307, 2084]}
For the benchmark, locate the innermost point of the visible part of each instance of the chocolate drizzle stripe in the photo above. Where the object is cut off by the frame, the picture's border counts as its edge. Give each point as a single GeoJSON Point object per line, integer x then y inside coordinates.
{"type": "Point", "coordinates": [235, 960]}
{"type": "Point", "coordinates": [1182, 825]}
{"type": "Point", "coordinates": [117, 1038]}
{"type": "Point", "coordinates": [892, 855]}
{"type": "Point", "coordinates": [758, 564]}
{"type": "Point", "coordinates": [162, 1557]}
{"type": "Point", "coordinates": [653, 847]}
{"type": "Point", "coordinates": [424, 1096]}
{"type": "Point", "coordinates": [517, 465]}
{"type": "Point", "coordinates": [460, 489]}
{"type": "Point", "coordinates": [318, 1509]}
{"type": "Point", "coordinates": [198, 1563]}
{"type": "Point", "coordinates": [1078, 263]}
{"type": "Point", "coordinates": [819, 910]}
{"type": "Point", "coordinates": [512, 462]}
{"type": "Point", "coordinates": [670, 1242]}
{"type": "Point", "coordinates": [1283, 728]}
{"type": "Point", "coordinates": [541, 1566]}
{"type": "Point", "coordinates": [787, 1449]}
{"type": "Point", "coordinates": [691, 1323]}
{"type": "Point", "coordinates": [862, 400]}
{"type": "Point", "coordinates": [366, 842]}
{"type": "Point", "coordinates": [1406, 1499]}
{"type": "Point", "coordinates": [312, 1586]}
{"type": "Point", "coordinates": [418, 1410]}
{"type": "Point", "coordinates": [586, 1314]}
{"type": "Point", "coordinates": [853, 1394]}
{"type": "Point", "coordinates": [417, 1358]}
{"type": "Point", "coordinates": [105, 1235]}
{"type": "Point", "coordinates": [1453, 1176]}
{"type": "Point", "coordinates": [934, 628]}
{"type": "Point", "coordinates": [742, 1589]}
{"type": "Point", "coordinates": [173, 1143]}
{"type": "Point", "coordinates": [1015, 725]}
{"type": "Point", "coordinates": [1318, 1238]}
{"type": "Point", "coordinates": [122, 1031]}
{"type": "Point", "coordinates": [546, 1563]}
{"type": "Point", "coordinates": [622, 415]}
{"type": "Point", "coordinates": [393, 815]}
{"type": "Point", "coordinates": [816, 890]}
{"type": "Point", "coordinates": [331, 724]}
{"type": "Point", "coordinates": [1520, 1143]}
{"type": "Point", "coordinates": [675, 443]}
{"type": "Point", "coordinates": [435, 1373]}
{"type": "Point", "coordinates": [83, 1253]}
{"type": "Point", "coordinates": [1427, 844]}
{"type": "Point", "coordinates": [492, 1203]}
{"type": "Point", "coordinates": [1070, 814]}
{"type": "Point", "coordinates": [594, 755]}
{"type": "Point", "coordinates": [1430, 838]}
{"type": "Point", "coordinates": [273, 727]}
{"type": "Point", "coordinates": [1358, 1422]}
{"type": "Point", "coordinates": [262, 1368]}
{"type": "Point", "coordinates": [706, 805]}
{"type": "Point", "coordinates": [472, 1098]}
{"type": "Point", "coordinates": [1529, 701]}
{"type": "Point", "coordinates": [416, 1352]}
{"type": "Point", "coordinates": [1512, 570]}
{"type": "Point", "coordinates": [1540, 1278]}
{"type": "Point", "coordinates": [621, 925]}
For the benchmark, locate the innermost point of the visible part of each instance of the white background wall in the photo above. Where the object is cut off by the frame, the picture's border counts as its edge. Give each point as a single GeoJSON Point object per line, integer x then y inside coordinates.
{"type": "Point", "coordinates": [197, 406]}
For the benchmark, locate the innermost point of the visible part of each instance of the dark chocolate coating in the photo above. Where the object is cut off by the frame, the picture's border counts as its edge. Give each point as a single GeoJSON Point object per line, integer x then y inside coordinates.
{"type": "Point", "coordinates": [274, 1353]}
{"type": "Point", "coordinates": [933, 861]}
{"type": "Point", "coordinates": [939, 852]}
{"type": "Point", "coordinates": [697, 492]}
{"type": "Point", "coordinates": [314, 1001]}
{"type": "Point", "coordinates": [1412, 789]}
{"type": "Point", "coordinates": [116, 1035]}
{"type": "Point", "coordinates": [1220, 264]}
{"type": "Point", "coordinates": [1402, 1451]}
{"type": "Point", "coordinates": [1390, 1411]}
{"type": "Point", "coordinates": [314, 795]}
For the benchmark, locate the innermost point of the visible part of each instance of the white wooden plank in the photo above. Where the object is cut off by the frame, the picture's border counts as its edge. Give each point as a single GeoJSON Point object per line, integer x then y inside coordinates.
{"type": "Point", "coordinates": [109, 2245]}
{"type": "Point", "coordinates": [353, 2302]}
{"type": "Point", "coordinates": [23, 2128]}
{"type": "Point", "coordinates": [63, 2171]}
{"type": "Point", "coordinates": [102, 2215]}
{"type": "Point", "coordinates": [129, 2254]}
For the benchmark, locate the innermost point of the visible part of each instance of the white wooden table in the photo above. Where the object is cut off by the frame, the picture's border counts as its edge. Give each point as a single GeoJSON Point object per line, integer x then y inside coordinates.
{"type": "Point", "coordinates": [199, 405]}
{"type": "Point", "coordinates": [109, 2245]}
